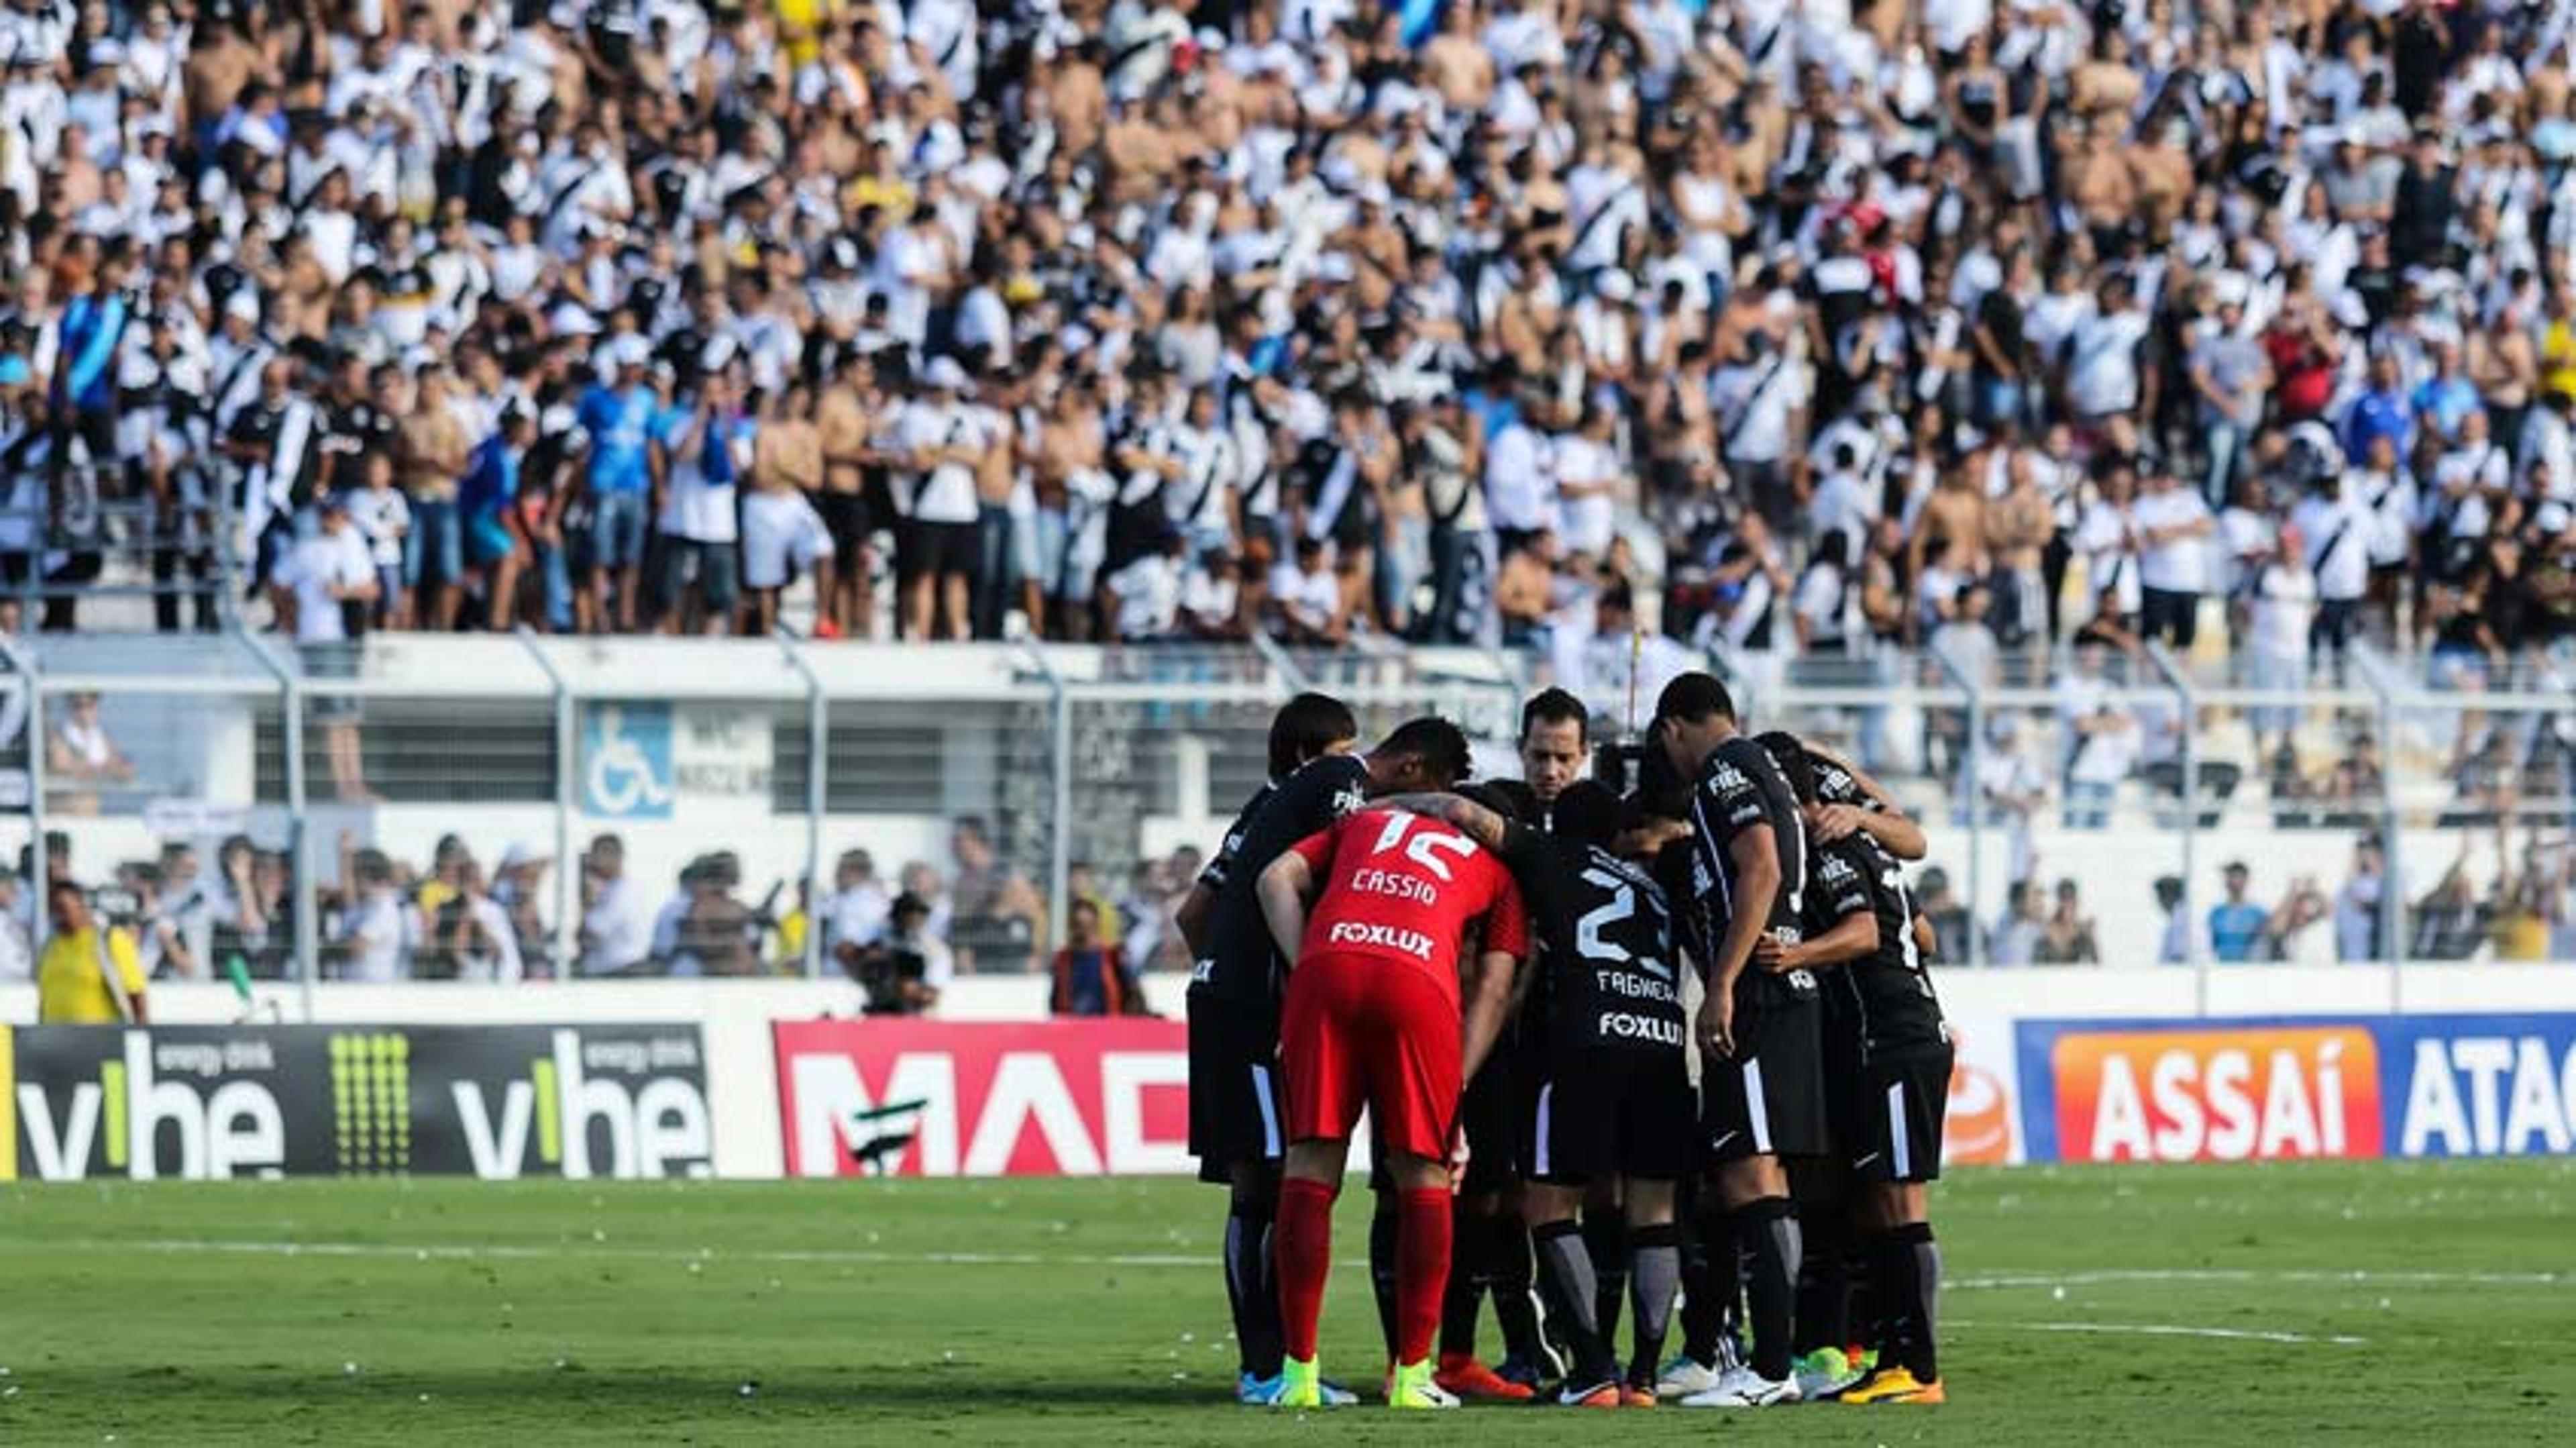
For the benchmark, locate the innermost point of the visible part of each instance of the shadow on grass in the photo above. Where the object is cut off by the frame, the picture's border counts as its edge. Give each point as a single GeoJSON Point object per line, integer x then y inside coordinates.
{"type": "Point", "coordinates": [930, 1391]}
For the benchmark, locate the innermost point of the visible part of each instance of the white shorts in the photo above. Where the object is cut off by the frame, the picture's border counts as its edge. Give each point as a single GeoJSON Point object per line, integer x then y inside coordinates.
{"type": "Point", "coordinates": [782, 536]}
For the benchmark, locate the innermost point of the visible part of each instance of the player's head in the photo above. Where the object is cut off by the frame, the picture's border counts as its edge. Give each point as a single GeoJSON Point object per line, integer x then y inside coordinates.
{"type": "Point", "coordinates": [1425, 753]}
{"type": "Point", "coordinates": [1796, 765]}
{"type": "Point", "coordinates": [1307, 728]}
{"type": "Point", "coordinates": [1587, 813]}
{"type": "Point", "coordinates": [1555, 731]}
{"type": "Point", "coordinates": [1693, 715]}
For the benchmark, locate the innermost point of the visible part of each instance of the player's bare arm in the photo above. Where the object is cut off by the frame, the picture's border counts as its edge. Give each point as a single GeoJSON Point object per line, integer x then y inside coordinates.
{"type": "Point", "coordinates": [1757, 885]}
{"type": "Point", "coordinates": [1488, 1003]}
{"type": "Point", "coordinates": [1286, 888]}
{"type": "Point", "coordinates": [1894, 831]}
{"type": "Point", "coordinates": [1852, 938]}
{"type": "Point", "coordinates": [1458, 812]}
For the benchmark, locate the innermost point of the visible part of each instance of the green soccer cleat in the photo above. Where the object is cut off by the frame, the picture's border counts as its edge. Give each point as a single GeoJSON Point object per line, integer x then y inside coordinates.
{"type": "Point", "coordinates": [1300, 1385]}
{"type": "Point", "coordinates": [1413, 1389]}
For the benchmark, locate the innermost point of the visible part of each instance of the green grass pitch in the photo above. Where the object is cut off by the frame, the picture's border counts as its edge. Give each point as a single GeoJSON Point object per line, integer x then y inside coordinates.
{"type": "Point", "coordinates": [2285, 1304]}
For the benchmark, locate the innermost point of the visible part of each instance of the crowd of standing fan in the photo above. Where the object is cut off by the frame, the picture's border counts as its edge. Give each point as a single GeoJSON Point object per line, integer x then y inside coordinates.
{"type": "Point", "coordinates": [1788, 327]}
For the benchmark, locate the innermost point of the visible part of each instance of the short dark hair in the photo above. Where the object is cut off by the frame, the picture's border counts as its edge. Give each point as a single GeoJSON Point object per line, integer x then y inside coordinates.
{"type": "Point", "coordinates": [1796, 765]}
{"type": "Point", "coordinates": [1439, 744]}
{"type": "Point", "coordinates": [1693, 697]}
{"type": "Point", "coordinates": [1587, 813]}
{"type": "Point", "coordinates": [1305, 727]}
{"type": "Point", "coordinates": [1555, 706]}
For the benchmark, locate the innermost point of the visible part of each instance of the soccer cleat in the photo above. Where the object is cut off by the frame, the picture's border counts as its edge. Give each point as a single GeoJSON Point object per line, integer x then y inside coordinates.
{"type": "Point", "coordinates": [1896, 1385]}
{"type": "Point", "coordinates": [1526, 1373]}
{"type": "Point", "coordinates": [1299, 1386]}
{"type": "Point", "coordinates": [1745, 1388]}
{"type": "Point", "coordinates": [1334, 1394]}
{"type": "Point", "coordinates": [1824, 1373]}
{"type": "Point", "coordinates": [1474, 1382]}
{"type": "Point", "coordinates": [1254, 1392]}
{"type": "Point", "coordinates": [1633, 1396]}
{"type": "Point", "coordinates": [1684, 1376]}
{"type": "Point", "coordinates": [1591, 1395]}
{"type": "Point", "coordinates": [1415, 1389]}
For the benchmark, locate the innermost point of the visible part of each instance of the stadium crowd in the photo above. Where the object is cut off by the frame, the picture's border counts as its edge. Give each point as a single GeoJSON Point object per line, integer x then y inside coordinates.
{"type": "Point", "coordinates": [1793, 327]}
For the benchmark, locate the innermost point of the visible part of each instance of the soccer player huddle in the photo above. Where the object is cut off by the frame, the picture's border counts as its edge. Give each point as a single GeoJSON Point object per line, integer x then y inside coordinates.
{"type": "Point", "coordinates": [1503, 974]}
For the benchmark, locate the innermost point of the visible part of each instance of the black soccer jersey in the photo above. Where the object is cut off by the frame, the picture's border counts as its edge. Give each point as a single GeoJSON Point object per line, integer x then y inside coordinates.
{"type": "Point", "coordinates": [1612, 978]}
{"type": "Point", "coordinates": [1741, 788]}
{"type": "Point", "coordinates": [1885, 996]}
{"type": "Point", "coordinates": [1241, 962]}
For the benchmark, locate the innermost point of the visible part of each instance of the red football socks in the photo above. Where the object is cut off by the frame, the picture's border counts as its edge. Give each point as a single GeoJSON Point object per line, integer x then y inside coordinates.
{"type": "Point", "coordinates": [1421, 1271]}
{"type": "Point", "coordinates": [1303, 1248]}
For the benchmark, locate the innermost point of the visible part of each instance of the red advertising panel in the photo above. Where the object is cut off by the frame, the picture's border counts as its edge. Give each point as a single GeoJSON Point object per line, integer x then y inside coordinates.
{"type": "Point", "coordinates": [2246, 1093]}
{"type": "Point", "coordinates": [1047, 1098]}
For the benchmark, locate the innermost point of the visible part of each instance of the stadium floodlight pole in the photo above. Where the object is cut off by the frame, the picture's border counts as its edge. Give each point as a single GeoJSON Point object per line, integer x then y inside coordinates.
{"type": "Point", "coordinates": [1060, 797]}
{"type": "Point", "coordinates": [567, 749]}
{"type": "Point", "coordinates": [2188, 700]}
{"type": "Point", "coordinates": [23, 664]}
{"type": "Point", "coordinates": [1974, 954]}
{"type": "Point", "coordinates": [299, 832]}
{"type": "Point", "coordinates": [818, 738]}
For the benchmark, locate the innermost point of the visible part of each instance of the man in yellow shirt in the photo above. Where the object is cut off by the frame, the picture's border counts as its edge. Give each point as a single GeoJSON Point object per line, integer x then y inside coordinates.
{"type": "Point", "coordinates": [72, 987]}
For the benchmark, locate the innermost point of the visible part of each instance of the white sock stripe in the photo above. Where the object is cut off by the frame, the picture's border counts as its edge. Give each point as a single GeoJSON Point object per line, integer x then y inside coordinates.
{"type": "Point", "coordinates": [1546, 1100]}
{"type": "Point", "coordinates": [1269, 1111]}
{"type": "Point", "coordinates": [1900, 1150]}
{"type": "Point", "coordinates": [1757, 1108]}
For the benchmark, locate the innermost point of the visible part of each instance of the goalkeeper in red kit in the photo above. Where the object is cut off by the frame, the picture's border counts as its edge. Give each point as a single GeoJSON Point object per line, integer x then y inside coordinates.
{"type": "Point", "coordinates": [1385, 1010]}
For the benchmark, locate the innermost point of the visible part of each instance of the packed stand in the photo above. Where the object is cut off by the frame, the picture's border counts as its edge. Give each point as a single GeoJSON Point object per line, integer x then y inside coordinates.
{"type": "Point", "coordinates": [1448, 322]}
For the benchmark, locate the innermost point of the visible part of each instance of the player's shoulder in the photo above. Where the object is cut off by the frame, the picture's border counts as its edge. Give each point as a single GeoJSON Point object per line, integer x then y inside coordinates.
{"type": "Point", "coordinates": [1334, 785]}
{"type": "Point", "coordinates": [1736, 763]}
{"type": "Point", "coordinates": [1838, 864]}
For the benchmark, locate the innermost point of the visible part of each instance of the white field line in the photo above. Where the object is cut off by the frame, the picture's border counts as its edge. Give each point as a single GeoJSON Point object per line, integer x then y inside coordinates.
{"type": "Point", "coordinates": [2163, 1329]}
{"type": "Point", "coordinates": [464, 1251]}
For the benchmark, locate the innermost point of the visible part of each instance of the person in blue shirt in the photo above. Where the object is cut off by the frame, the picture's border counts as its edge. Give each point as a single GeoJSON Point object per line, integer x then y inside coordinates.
{"type": "Point", "coordinates": [2444, 400]}
{"type": "Point", "coordinates": [624, 420]}
{"type": "Point", "coordinates": [84, 390]}
{"type": "Point", "coordinates": [2236, 927]}
{"type": "Point", "coordinates": [2382, 411]}
{"type": "Point", "coordinates": [486, 500]}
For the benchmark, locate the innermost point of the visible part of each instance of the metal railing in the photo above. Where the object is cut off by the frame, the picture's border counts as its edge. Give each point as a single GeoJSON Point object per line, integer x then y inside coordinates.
{"type": "Point", "coordinates": [1031, 778]}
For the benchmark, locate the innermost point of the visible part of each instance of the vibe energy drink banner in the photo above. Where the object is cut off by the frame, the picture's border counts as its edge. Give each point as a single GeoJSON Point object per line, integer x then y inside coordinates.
{"type": "Point", "coordinates": [198, 1102]}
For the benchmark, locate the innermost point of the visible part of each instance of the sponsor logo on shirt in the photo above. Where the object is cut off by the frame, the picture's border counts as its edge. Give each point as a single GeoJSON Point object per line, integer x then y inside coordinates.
{"type": "Point", "coordinates": [1383, 937]}
{"type": "Point", "coordinates": [1620, 1025]}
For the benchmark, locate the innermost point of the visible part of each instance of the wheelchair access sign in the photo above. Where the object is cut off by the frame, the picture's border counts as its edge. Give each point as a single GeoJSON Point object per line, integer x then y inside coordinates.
{"type": "Point", "coordinates": [641, 760]}
{"type": "Point", "coordinates": [626, 769]}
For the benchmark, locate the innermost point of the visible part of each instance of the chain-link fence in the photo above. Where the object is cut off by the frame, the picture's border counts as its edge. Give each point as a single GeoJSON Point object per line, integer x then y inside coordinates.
{"type": "Point", "coordinates": [507, 808]}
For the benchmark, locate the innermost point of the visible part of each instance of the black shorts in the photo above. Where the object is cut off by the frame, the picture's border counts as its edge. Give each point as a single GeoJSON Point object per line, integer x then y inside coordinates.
{"type": "Point", "coordinates": [1236, 1106]}
{"type": "Point", "coordinates": [845, 517]}
{"type": "Point", "coordinates": [1488, 1117]}
{"type": "Point", "coordinates": [934, 550]}
{"type": "Point", "coordinates": [1610, 1113]}
{"type": "Point", "coordinates": [1485, 1119]}
{"type": "Point", "coordinates": [1888, 1116]}
{"type": "Point", "coordinates": [1769, 1098]}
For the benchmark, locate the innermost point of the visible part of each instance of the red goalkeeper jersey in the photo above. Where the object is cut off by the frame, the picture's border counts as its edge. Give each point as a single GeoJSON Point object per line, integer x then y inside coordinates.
{"type": "Point", "coordinates": [1403, 889]}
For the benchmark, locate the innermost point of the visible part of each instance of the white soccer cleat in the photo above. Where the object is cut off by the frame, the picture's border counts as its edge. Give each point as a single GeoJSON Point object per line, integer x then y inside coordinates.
{"type": "Point", "coordinates": [1745, 1388]}
{"type": "Point", "coordinates": [1683, 1376]}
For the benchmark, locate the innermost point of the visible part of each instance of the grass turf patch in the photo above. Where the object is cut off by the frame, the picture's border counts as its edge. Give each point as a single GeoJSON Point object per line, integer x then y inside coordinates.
{"type": "Point", "coordinates": [2380, 1301]}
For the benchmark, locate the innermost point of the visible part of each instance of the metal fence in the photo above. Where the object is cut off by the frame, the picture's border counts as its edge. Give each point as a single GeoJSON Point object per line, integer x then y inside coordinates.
{"type": "Point", "coordinates": [2403, 811]}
